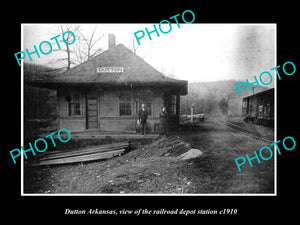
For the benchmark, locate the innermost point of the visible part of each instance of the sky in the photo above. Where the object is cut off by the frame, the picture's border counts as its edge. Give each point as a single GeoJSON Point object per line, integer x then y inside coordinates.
{"type": "Point", "coordinates": [193, 52]}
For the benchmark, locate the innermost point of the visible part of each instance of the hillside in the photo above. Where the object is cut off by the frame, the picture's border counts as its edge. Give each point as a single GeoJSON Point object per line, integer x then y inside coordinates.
{"type": "Point", "coordinates": [219, 97]}
{"type": "Point", "coordinates": [39, 103]}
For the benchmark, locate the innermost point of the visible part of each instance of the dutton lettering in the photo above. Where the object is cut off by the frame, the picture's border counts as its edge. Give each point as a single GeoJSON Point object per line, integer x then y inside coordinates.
{"type": "Point", "coordinates": [110, 69]}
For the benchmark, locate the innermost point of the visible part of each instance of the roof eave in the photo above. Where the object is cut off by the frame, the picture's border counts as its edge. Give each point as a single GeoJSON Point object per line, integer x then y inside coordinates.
{"type": "Point", "coordinates": [180, 84]}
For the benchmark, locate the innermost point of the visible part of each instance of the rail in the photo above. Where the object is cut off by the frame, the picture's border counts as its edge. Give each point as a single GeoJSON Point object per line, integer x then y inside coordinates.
{"type": "Point", "coordinates": [242, 130]}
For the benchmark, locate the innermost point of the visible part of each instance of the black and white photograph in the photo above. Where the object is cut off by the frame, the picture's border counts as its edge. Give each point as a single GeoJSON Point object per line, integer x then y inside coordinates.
{"type": "Point", "coordinates": [125, 111]}
{"type": "Point", "coordinates": [129, 109]}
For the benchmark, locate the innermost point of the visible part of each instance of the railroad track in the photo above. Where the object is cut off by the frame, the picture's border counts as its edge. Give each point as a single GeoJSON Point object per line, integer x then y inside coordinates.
{"type": "Point", "coordinates": [241, 130]}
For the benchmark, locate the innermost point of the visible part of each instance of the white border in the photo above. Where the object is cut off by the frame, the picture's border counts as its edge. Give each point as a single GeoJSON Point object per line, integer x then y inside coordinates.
{"type": "Point", "coordinates": [22, 114]}
{"type": "Point", "coordinates": [275, 112]}
{"type": "Point", "coordinates": [219, 194]}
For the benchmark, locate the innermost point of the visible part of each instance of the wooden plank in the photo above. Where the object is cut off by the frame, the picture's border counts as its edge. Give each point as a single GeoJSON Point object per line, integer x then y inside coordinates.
{"type": "Point", "coordinates": [92, 113]}
{"type": "Point", "coordinates": [85, 149]}
{"type": "Point", "coordinates": [83, 158]}
{"type": "Point", "coordinates": [77, 153]}
{"type": "Point", "coordinates": [92, 107]}
{"type": "Point", "coordinates": [123, 144]}
{"type": "Point", "coordinates": [92, 124]}
{"type": "Point", "coordinates": [92, 101]}
{"type": "Point", "coordinates": [93, 119]}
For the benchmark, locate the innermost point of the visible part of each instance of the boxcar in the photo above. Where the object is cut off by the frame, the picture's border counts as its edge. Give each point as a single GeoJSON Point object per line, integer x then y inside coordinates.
{"type": "Point", "coordinates": [259, 108]}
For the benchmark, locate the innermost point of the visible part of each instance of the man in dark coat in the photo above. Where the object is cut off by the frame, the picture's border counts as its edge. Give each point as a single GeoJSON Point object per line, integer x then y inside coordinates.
{"type": "Point", "coordinates": [143, 115]}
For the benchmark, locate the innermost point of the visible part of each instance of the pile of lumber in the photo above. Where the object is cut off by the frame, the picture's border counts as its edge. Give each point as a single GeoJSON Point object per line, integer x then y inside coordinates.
{"type": "Point", "coordinates": [85, 154]}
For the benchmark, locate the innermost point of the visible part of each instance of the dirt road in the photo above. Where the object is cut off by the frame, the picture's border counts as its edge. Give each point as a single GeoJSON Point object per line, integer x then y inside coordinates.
{"type": "Point", "coordinates": [155, 168]}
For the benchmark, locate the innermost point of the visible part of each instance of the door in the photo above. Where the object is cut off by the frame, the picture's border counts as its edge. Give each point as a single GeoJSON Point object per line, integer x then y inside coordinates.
{"type": "Point", "coordinates": [91, 112]}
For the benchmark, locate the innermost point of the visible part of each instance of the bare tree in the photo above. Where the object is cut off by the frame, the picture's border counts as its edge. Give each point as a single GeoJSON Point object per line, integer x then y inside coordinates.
{"type": "Point", "coordinates": [134, 46]}
{"type": "Point", "coordinates": [68, 38]}
{"type": "Point", "coordinates": [85, 46]}
{"type": "Point", "coordinates": [170, 74]}
{"type": "Point", "coordinates": [190, 100]}
{"type": "Point", "coordinates": [82, 50]}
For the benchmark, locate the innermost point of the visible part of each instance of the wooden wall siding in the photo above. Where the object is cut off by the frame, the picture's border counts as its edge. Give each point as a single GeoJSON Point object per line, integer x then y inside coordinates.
{"type": "Point", "coordinates": [109, 104]}
{"type": "Point", "coordinates": [103, 110]}
{"type": "Point", "coordinates": [128, 124]}
{"type": "Point", "coordinates": [92, 112]}
{"type": "Point", "coordinates": [71, 123]}
{"type": "Point", "coordinates": [63, 105]}
{"type": "Point", "coordinates": [117, 124]}
{"type": "Point", "coordinates": [253, 107]}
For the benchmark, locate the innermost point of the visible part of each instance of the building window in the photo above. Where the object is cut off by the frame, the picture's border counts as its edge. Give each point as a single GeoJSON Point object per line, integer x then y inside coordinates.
{"type": "Point", "coordinates": [144, 97]}
{"type": "Point", "coordinates": [74, 104]}
{"type": "Point", "coordinates": [172, 105]}
{"type": "Point", "coordinates": [125, 105]}
{"type": "Point", "coordinates": [74, 109]}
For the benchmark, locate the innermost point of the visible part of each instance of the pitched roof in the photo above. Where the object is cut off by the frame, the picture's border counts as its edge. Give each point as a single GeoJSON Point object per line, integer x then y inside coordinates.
{"type": "Point", "coordinates": [136, 70]}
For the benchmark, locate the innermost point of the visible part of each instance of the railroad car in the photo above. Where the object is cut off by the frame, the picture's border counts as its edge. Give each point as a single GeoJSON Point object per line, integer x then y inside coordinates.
{"type": "Point", "coordinates": [259, 108]}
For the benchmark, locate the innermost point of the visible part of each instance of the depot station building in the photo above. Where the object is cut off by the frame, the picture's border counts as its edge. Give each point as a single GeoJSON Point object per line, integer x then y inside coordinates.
{"type": "Point", "coordinates": [105, 93]}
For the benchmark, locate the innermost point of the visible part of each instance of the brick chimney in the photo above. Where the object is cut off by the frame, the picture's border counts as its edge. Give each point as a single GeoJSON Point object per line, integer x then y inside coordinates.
{"type": "Point", "coordinates": [111, 40]}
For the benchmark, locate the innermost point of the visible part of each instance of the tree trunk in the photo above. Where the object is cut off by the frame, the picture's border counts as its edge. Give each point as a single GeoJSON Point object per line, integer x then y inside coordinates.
{"type": "Point", "coordinates": [69, 58]}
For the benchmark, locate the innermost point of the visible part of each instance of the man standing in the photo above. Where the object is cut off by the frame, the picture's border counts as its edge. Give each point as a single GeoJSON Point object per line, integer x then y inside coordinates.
{"type": "Point", "coordinates": [143, 115]}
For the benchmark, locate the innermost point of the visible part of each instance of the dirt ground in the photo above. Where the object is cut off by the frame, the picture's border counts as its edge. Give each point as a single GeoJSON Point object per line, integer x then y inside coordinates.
{"type": "Point", "coordinates": [156, 168]}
